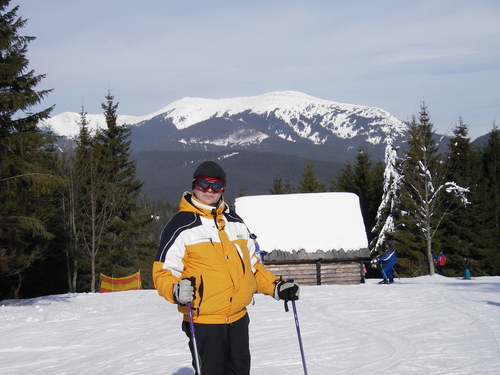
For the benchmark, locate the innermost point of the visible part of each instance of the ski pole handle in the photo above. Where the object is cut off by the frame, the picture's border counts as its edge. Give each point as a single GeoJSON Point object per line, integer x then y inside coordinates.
{"type": "Point", "coordinates": [193, 339]}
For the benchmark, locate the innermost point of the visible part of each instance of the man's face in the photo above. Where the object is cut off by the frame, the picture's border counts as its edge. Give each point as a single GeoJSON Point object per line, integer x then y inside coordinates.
{"type": "Point", "coordinates": [207, 197]}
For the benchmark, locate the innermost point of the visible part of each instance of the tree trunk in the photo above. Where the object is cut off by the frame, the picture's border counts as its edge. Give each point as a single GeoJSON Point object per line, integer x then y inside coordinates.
{"type": "Point", "coordinates": [429, 256]}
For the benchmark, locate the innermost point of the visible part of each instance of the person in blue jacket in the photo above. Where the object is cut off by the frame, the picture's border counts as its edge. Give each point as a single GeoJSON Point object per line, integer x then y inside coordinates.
{"type": "Point", "coordinates": [388, 260]}
{"type": "Point", "coordinates": [467, 268]}
{"type": "Point", "coordinates": [261, 253]}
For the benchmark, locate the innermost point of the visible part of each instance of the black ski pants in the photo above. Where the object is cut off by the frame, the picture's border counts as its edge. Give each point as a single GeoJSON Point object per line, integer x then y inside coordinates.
{"type": "Point", "coordinates": [223, 348]}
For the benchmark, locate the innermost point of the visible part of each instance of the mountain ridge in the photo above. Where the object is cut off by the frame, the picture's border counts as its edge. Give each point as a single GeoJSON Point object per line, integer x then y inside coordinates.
{"type": "Point", "coordinates": [304, 114]}
{"type": "Point", "coordinates": [282, 130]}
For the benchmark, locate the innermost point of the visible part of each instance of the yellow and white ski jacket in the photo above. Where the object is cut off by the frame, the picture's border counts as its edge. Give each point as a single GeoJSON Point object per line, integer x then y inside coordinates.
{"type": "Point", "coordinates": [212, 245]}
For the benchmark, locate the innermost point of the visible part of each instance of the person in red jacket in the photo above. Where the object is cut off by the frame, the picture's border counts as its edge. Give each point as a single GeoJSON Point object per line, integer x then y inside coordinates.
{"type": "Point", "coordinates": [206, 257]}
{"type": "Point", "coordinates": [441, 261]}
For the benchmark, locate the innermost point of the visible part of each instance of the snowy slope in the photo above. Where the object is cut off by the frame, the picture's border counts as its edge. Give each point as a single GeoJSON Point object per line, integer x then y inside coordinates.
{"type": "Point", "coordinates": [425, 325]}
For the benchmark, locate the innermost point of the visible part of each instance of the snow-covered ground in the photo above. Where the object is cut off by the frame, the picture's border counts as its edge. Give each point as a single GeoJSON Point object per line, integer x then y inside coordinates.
{"type": "Point", "coordinates": [425, 325]}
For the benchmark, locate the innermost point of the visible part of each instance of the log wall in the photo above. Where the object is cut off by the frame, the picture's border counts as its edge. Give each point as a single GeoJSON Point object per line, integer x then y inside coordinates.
{"type": "Point", "coordinates": [319, 272]}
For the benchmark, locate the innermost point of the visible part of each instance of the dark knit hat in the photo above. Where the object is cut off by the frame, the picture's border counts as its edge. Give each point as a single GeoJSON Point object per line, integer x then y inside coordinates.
{"type": "Point", "coordinates": [210, 169]}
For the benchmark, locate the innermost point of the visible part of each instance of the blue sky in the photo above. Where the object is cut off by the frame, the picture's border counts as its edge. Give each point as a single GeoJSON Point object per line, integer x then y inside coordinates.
{"type": "Point", "coordinates": [390, 54]}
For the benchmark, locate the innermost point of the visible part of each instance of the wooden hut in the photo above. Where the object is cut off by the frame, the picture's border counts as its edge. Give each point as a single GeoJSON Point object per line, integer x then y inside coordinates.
{"type": "Point", "coordinates": [315, 238]}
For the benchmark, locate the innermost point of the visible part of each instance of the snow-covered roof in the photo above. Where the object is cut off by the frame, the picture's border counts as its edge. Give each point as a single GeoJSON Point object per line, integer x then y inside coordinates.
{"type": "Point", "coordinates": [310, 221]}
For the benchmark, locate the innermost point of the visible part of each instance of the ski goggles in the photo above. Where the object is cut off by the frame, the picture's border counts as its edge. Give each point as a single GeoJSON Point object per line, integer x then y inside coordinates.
{"type": "Point", "coordinates": [205, 183]}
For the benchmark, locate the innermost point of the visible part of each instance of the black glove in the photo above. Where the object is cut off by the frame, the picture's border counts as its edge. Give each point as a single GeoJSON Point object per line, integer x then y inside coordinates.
{"type": "Point", "coordinates": [287, 290]}
{"type": "Point", "coordinates": [184, 291]}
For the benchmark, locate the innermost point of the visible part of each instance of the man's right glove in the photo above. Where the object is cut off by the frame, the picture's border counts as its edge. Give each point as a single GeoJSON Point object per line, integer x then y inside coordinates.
{"type": "Point", "coordinates": [287, 290]}
{"type": "Point", "coordinates": [184, 291]}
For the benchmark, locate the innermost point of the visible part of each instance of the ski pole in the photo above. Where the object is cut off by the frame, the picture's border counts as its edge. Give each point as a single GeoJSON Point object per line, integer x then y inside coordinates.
{"type": "Point", "coordinates": [193, 339]}
{"type": "Point", "coordinates": [299, 336]}
{"type": "Point", "coordinates": [383, 272]}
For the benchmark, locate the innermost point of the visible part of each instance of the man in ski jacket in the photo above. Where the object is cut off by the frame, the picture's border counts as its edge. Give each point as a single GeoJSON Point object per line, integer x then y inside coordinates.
{"type": "Point", "coordinates": [441, 261]}
{"type": "Point", "coordinates": [207, 258]}
{"type": "Point", "coordinates": [388, 260]}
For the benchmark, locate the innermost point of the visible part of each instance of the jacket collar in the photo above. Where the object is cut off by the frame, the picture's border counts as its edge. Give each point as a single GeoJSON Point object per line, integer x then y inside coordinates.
{"type": "Point", "coordinates": [189, 203]}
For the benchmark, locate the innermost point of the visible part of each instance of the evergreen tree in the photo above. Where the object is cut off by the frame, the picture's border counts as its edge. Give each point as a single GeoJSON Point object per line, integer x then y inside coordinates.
{"type": "Point", "coordinates": [120, 196]}
{"type": "Point", "coordinates": [309, 182]}
{"type": "Point", "coordinates": [366, 181]}
{"type": "Point", "coordinates": [460, 230]}
{"type": "Point", "coordinates": [423, 192]}
{"type": "Point", "coordinates": [158, 212]}
{"type": "Point", "coordinates": [387, 210]}
{"type": "Point", "coordinates": [26, 175]}
{"type": "Point", "coordinates": [345, 180]}
{"type": "Point", "coordinates": [280, 187]}
{"type": "Point", "coordinates": [488, 249]}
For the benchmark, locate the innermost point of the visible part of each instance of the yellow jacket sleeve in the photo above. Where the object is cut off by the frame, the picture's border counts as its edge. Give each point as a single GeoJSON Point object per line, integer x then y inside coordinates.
{"type": "Point", "coordinates": [164, 281]}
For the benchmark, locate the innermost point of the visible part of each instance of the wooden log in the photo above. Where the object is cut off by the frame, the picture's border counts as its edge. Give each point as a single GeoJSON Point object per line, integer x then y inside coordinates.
{"type": "Point", "coordinates": [319, 272]}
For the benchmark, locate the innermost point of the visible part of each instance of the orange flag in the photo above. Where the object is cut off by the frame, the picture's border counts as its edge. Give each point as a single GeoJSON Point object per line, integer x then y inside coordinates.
{"type": "Point", "coordinates": [118, 284]}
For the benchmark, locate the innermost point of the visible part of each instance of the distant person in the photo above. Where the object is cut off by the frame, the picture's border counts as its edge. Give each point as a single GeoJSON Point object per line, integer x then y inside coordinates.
{"type": "Point", "coordinates": [441, 262]}
{"type": "Point", "coordinates": [364, 271]}
{"type": "Point", "coordinates": [261, 253]}
{"type": "Point", "coordinates": [207, 258]}
{"type": "Point", "coordinates": [467, 268]}
{"type": "Point", "coordinates": [387, 261]}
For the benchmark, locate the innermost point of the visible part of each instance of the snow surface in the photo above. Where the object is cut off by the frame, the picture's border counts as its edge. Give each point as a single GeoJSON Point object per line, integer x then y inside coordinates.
{"type": "Point", "coordinates": [424, 325]}
{"type": "Point", "coordinates": [309, 221]}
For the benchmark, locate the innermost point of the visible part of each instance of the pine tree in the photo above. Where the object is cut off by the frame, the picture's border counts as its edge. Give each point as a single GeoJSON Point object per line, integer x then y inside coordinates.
{"type": "Point", "coordinates": [366, 181]}
{"type": "Point", "coordinates": [424, 202]}
{"type": "Point", "coordinates": [26, 175]}
{"type": "Point", "coordinates": [309, 182]}
{"type": "Point", "coordinates": [345, 180]}
{"type": "Point", "coordinates": [488, 249]}
{"type": "Point", "coordinates": [280, 187]}
{"type": "Point", "coordinates": [459, 231]}
{"type": "Point", "coordinates": [158, 212]}
{"type": "Point", "coordinates": [387, 209]}
{"type": "Point", "coordinates": [125, 226]}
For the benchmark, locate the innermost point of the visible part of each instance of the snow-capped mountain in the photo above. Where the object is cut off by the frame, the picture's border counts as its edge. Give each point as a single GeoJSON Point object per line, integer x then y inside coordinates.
{"type": "Point", "coordinates": [255, 138]}
{"type": "Point", "coordinates": [247, 121]}
{"type": "Point", "coordinates": [304, 114]}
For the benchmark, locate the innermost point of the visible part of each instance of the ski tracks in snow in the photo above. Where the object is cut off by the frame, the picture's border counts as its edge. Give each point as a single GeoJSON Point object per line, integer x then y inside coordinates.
{"type": "Point", "coordinates": [415, 326]}
{"type": "Point", "coordinates": [384, 329]}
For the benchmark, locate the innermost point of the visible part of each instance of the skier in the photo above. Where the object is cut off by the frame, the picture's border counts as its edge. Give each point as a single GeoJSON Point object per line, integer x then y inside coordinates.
{"type": "Point", "coordinates": [441, 261]}
{"type": "Point", "coordinates": [387, 261]}
{"type": "Point", "coordinates": [206, 263]}
{"type": "Point", "coordinates": [467, 268]}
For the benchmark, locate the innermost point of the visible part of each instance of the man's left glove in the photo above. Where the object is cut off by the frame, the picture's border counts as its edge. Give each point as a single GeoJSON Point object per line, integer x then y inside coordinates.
{"type": "Point", "coordinates": [287, 290]}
